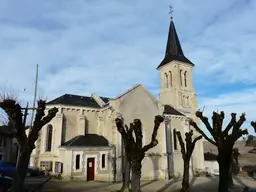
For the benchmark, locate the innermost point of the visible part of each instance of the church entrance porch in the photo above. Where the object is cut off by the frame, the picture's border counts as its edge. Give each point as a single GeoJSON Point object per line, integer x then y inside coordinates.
{"type": "Point", "coordinates": [90, 169]}
{"type": "Point", "coordinates": [88, 157]}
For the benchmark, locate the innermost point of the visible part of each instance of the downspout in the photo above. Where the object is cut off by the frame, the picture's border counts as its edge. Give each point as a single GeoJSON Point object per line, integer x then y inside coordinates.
{"type": "Point", "coordinates": [169, 151]}
{"type": "Point", "coordinates": [171, 155]}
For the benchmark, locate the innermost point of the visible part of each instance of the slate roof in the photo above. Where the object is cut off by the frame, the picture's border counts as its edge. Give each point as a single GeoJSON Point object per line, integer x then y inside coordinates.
{"type": "Point", "coordinates": [171, 111]}
{"type": "Point", "coordinates": [173, 48]}
{"type": "Point", "coordinates": [87, 140]}
{"type": "Point", "coordinates": [210, 156]}
{"type": "Point", "coordinates": [77, 100]}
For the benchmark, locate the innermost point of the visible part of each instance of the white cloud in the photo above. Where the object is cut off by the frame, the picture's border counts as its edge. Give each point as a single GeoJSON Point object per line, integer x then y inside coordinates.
{"type": "Point", "coordinates": [108, 46]}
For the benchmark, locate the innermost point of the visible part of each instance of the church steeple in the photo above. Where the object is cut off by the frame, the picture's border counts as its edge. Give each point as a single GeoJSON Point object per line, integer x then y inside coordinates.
{"type": "Point", "coordinates": [173, 48]}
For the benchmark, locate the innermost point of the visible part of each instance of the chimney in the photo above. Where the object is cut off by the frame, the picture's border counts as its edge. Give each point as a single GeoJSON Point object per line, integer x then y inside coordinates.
{"type": "Point", "coordinates": [98, 100]}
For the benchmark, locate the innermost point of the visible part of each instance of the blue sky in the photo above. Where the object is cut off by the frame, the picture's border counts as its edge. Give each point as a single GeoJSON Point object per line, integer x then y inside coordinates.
{"type": "Point", "coordinates": [106, 47]}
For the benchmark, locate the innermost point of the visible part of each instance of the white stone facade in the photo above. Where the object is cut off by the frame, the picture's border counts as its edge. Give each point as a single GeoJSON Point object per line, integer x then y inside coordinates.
{"type": "Point", "coordinates": [161, 162]}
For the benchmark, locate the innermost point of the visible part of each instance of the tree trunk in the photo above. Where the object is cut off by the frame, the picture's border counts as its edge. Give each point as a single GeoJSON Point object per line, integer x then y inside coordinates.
{"type": "Point", "coordinates": [126, 176]}
{"type": "Point", "coordinates": [224, 172]}
{"type": "Point", "coordinates": [230, 177]}
{"type": "Point", "coordinates": [136, 174]}
{"type": "Point", "coordinates": [185, 181]}
{"type": "Point", "coordinates": [21, 172]}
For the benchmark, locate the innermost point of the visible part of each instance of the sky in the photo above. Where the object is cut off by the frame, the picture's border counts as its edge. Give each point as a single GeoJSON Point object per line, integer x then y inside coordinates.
{"type": "Point", "coordinates": [106, 47]}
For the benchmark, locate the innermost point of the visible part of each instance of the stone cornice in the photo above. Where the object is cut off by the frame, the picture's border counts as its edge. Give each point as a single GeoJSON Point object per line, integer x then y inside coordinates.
{"type": "Point", "coordinates": [174, 117]}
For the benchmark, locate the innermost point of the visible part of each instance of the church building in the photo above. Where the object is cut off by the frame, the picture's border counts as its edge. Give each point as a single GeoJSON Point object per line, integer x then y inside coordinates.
{"type": "Point", "coordinates": [82, 141]}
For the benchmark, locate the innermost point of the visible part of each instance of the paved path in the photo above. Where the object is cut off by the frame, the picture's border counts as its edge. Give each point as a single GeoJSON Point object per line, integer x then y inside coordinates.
{"type": "Point", "coordinates": [33, 182]}
{"type": "Point", "coordinates": [199, 184]}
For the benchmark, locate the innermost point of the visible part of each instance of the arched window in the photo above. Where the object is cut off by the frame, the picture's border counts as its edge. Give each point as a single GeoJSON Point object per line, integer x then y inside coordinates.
{"type": "Point", "coordinates": [166, 80]}
{"type": "Point", "coordinates": [49, 138]}
{"type": "Point", "coordinates": [175, 139]}
{"type": "Point", "coordinates": [185, 78]}
{"type": "Point", "coordinates": [170, 74]}
{"type": "Point", "coordinates": [181, 78]}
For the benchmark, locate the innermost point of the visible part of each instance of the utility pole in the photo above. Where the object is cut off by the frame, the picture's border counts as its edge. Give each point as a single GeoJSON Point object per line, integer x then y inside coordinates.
{"type": "Point", "coordinates": [33, 107]}
{"type": "Point", "coordinates": [26, 112]}
{"type": "Point", "coordinates": [35, 91]}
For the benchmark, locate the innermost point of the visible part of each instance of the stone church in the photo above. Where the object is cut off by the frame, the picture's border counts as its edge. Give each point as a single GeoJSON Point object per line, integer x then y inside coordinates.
{"type": "Point", "coordinates": [82, 140]}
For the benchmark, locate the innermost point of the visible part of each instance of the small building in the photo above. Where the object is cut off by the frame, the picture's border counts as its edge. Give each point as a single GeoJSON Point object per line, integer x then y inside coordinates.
{"type": "Point", "coordinates": [8, 146]}
{"type": "Point", "coordinates": [211, 164]}
{"type": "Point", "coordinates": [88, 156]}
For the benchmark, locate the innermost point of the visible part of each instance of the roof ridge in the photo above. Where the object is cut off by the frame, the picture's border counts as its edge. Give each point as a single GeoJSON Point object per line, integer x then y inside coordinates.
{"type": "Point", "coordinates": [127, 91]}
{"type": "Point", "coordinates": [74, 140]}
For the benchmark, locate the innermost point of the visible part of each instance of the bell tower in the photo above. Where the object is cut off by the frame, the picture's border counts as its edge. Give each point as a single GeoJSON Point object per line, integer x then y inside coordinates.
{"type": "Point", "coordinates": [176, 76]}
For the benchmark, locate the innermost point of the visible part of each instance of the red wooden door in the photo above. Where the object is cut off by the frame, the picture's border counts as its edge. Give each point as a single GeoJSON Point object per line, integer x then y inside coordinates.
{"type": "Point", "coordinates": [90, 169]}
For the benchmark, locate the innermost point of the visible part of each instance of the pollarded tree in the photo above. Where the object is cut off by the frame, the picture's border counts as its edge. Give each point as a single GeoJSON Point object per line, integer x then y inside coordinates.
{"type": "Point", "coordinates": [224, 140]}
{"type": "Point", "coordinates": [127, 139]}
{"type": "Point", "coordinates": [253, 124]}
{"type": "Point", "coordinates": [16, 122]}
{"type": "Point", "coordinates": [186, 152]}
{"type": "Point", "coordinates": [134, 151]}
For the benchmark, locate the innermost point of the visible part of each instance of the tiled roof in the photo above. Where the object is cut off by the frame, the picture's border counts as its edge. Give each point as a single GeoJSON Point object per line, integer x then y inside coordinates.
{"type": "Point", "coordinates": [77, 100]}
{"type": "Point", "coordinates": [171, 111]}
{"type": "Point", "coordinates": [87, 140]}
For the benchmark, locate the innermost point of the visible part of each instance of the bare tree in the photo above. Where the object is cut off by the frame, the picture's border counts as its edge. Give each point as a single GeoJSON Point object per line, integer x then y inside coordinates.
{"type": "Point", "coordinates": [134, 151]}
{"type": "Point", "coordinates": [16, 122]}
{"type": "Point", "coordinates": [224, 140]}
{"type": "Point", "coordinates": [253, 124]}
{"type": "Point", "coordinates": [186, 155]}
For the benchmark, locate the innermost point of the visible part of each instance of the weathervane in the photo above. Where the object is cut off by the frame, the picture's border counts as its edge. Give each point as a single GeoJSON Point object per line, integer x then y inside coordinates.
{"type": "Point", "coordinates": [171, 11]}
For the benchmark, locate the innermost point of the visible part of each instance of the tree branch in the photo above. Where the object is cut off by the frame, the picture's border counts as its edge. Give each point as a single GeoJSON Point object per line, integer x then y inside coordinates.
{"type": "Point", "coordinates": [188, 139]}
{"type": "Point", "coordinates": [239, 123]}
{"type": "Point", "coordinates": [40, 121]}
{"type": "Point", "coordinates": [158, 120]}
{"type": "Point", "coordinates": [215, 121]}
{"type": "Point", "coordinates": [120, 128]}
{"type": "Point", "coordinates": [253, 124]}
{"type": "Point", "coordinates": [230, 125]}
{"type": "Point", "coordinates": [219, 122]}
{"type": "Point", "coordinates": [25, 117]}
{"type": "Point", "coordinates": [204, 119]}
{"type": "Point", "coordinates": [197, 139]}
{"type": "Point", "coordinates": [182, 145]}
{"type": "Point", "coordinates": [14, 113]}
{"type": "Point", "coordinates": [138, 133]}
{"type": "Point", "coordinates": [192, 146]}
{"type": "Point", "coordinates": [239, 133]}
{"type": "Point", "coordinates": [51, 114]}
{"type": "Point", "coordinates": [192, 123]}
{"type": "Point", "coordinates": [221, 119]}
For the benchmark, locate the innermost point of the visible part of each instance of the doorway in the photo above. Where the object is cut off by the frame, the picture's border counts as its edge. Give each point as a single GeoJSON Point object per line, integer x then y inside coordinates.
{"type": "Point", "coordinates": [90, 169]}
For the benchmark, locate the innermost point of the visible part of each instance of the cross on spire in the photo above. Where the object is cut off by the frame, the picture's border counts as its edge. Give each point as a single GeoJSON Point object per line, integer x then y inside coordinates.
{"type": "Point", "coordinates": [171, 11]}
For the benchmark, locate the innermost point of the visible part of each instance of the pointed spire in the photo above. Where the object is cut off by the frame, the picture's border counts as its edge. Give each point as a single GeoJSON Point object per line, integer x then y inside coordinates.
{"type": "Point", "coordinates": [173, 48]}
